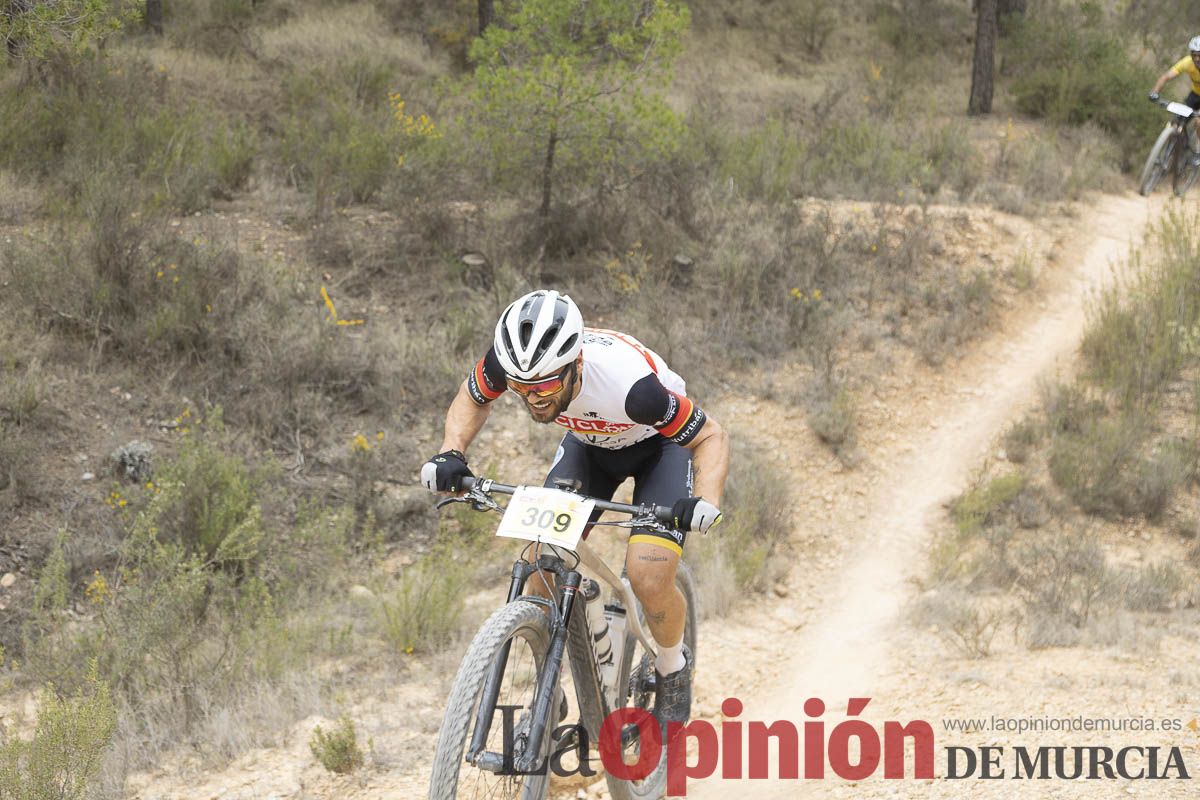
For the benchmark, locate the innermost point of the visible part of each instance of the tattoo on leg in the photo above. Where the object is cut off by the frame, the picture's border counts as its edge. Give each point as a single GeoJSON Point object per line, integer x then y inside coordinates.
{"type": "Point", "coordinates": [652, 558]}
{"type": "Point", "coordinates": [659, 617]}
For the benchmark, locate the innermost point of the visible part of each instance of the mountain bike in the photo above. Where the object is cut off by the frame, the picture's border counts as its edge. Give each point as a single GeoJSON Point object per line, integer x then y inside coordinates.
{"type": "Point", "coordinates": [1171, 153]}
{"type": "Point", "coordinates": [499, 734]}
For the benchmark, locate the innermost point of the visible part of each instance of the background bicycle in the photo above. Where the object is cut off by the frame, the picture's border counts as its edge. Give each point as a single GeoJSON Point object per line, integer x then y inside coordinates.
{"type": "Point", "coordinates": [1172, 153]}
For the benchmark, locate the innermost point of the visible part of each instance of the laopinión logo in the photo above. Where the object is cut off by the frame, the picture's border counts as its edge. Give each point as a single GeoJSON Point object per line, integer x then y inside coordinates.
{"type": "Point", "coordinates": [742, 750]}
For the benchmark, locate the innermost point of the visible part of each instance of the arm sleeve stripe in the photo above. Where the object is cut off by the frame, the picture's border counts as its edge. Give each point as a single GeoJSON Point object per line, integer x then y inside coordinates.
{"type": "Point", "coordinates": [477, 385]}
{"type": "Point", "coordinates": [682, 417]}
{"type": "Point", "coordinates": [483, 384]}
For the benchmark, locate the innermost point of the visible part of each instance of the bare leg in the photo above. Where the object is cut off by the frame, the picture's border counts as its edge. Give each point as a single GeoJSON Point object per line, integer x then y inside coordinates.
{"type": "Point", "coordinates": [651, 571]}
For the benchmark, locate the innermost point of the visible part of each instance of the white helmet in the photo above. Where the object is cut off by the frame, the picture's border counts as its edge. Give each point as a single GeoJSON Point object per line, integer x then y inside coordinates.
{"type": "Point", "coordinates": [1194, 45]}
{"type": "Point", "coordinates": [538, 335]}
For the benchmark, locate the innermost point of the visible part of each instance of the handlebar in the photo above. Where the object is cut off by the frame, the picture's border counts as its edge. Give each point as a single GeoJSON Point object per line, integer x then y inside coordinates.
{"type": "Point", "coordinates": [661, 513]}
{"type": "Point", "coordinates": [1178, 107]}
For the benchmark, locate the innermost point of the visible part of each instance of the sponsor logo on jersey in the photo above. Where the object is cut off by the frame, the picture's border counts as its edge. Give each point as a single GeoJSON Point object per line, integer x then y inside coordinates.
{"type": "Point", "coordinates": [602, 427]}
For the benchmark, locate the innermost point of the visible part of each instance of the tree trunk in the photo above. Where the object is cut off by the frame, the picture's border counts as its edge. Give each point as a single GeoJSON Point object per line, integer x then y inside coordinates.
{"type": "Point", "coordinates": [487, 12]}
{"type": "Point", "coordinates": [1010, 7]}
{"type": "Point", "coordinates": [154, 16]}
{"type": "Point", "coordinates": [547, 173]}
{"type": "Point", "coordinates": [985, 58]}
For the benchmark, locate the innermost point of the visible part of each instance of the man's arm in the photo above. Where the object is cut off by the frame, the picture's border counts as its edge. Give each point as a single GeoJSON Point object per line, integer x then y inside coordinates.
{"type": "Point", "coordinates": [464, 419]}
{"type": "Point", "coordinates": [1169, 75]}
{"type": "Point", "coordinates": [710, 460]}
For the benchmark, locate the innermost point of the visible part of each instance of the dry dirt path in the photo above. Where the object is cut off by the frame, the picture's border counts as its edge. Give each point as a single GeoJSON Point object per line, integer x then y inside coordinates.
{"type": "Point", "coordinates": [846, 648]}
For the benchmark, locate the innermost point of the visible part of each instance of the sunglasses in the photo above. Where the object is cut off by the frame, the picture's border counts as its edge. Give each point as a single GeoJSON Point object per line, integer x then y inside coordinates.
{"type": "Point", "coordinates": [544, 388]}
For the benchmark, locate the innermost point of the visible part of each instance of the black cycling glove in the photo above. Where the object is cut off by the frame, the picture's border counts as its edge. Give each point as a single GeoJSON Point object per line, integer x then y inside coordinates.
{"type": "Point", "coordinates": [695, 514]}
{"type": "Point", "coordinates": [445, 471]}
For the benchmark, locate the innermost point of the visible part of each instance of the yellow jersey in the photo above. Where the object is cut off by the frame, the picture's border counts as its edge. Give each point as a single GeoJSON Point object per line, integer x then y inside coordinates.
{"type": "Point", "coordinates": [1187, 65]}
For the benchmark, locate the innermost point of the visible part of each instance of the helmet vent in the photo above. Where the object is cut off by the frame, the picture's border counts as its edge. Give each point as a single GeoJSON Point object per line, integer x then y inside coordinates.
{"type": "Point", "coordinates": [568, 345]}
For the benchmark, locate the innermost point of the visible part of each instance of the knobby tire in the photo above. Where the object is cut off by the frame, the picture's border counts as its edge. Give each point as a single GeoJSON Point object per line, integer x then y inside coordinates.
{"type": "Point", "coordinates": [519, 621]}
{"type": "Point", "coordinates": [655, 784]}
{"type": "Point", "coordinates": [1159, 161]}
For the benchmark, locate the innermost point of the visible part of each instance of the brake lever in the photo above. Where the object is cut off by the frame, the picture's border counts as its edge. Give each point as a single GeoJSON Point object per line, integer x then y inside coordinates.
{"type": "Point", "coordinates": [478, 500]}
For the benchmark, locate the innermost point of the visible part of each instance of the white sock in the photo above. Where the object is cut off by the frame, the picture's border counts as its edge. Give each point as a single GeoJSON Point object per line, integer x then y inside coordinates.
{"type": "Point", "coordinates": [670, 659]}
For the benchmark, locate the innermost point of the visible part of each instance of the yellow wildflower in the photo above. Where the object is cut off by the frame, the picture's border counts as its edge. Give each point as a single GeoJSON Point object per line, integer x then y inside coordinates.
{"type": "Point", "coordinates": [359, 444]}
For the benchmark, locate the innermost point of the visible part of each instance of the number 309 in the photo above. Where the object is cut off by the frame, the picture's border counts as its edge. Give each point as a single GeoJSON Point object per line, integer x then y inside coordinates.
{"type": "Point", "coordinates": [546, 519]}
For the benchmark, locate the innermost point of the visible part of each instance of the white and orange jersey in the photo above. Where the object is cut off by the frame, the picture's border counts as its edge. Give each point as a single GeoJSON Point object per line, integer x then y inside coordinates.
{"type": "Point", "coordinates": [628, 393]}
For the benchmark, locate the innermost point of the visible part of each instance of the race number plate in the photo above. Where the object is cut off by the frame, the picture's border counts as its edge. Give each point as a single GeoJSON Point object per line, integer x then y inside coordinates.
{"type": "Point", "coordinates": [546, 515]}
{"type": "Point", "coordinates": [1179, 109]}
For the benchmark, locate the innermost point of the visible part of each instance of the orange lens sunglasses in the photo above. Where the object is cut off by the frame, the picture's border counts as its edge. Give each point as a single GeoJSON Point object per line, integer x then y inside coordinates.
{"type": "Point", "coordinates": [544, 388]}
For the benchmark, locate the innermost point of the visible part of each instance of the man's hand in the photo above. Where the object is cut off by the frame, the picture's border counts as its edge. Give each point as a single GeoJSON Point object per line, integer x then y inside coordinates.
{"type": "Point", "coordinates": [1154, 97]}
{"type": "Point", "coordinates": [445, 471]}
{"type": "Point", "coordinates": [695, 514]}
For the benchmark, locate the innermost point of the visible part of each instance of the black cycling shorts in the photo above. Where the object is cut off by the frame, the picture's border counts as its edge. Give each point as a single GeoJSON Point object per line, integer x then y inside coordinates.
{"type": "Point", "coordinates": [661, 472]}
{"type": "Point", "coordinates": [1192, 101]}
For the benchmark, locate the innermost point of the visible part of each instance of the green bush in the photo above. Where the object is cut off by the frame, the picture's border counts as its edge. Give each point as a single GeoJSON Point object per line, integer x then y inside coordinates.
{"type": "Point", "coordinates": [337, 750]}
{"type": "Point", "coordinates": [764, 163]}
{"type": "Point", "coordinates": [339, 138]}
{"type": "Point", "coordinates": [1070, 64]}
{"type": "Point", "coordinates": [978, 506]}
{"type": "Point", "coordinates": [64, 757]}
{"type": "Point", "coordinates": [123, 120]}
{"type": "Point", "coordinates": [1142, 332]}
{"type": "Point", "coordinates": [423, 612]}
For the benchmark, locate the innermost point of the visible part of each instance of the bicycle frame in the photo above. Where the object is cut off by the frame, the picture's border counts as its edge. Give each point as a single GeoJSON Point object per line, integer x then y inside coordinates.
{"type": "Point", "coordinates": [587, 677]}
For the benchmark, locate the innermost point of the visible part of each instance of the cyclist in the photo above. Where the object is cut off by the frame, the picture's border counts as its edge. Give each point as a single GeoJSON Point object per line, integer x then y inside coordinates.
{"type": "Point", "coordinates": [1189, 64]}
{"type": "Point", "coordinates": [627, 415]}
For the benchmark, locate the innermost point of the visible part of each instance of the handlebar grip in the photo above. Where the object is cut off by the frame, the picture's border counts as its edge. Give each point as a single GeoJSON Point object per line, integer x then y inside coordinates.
{"type": "Point", "coordinates": [468, 482]}
{"type": "Point", "coordinates": [664, 514]}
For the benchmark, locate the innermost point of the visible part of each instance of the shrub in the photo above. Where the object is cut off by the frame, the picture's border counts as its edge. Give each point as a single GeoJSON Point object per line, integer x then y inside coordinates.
{"type": "Point", "coordinates": [123, 121]}
{"type": "Point", "coordinates": [966, 624]}
{"type": "Point", "coordinates": [1021, 437]}
{"type": "Point", "coordinates": [1062, 576]}
{"type": "Point", "coordinates": [338, 135]}
{"type": "Point", "coordinates": [423, 611]}
{"type": "Point", "coordinates": [337, 750]}
{"type": "Point", "coordinates": [978, 506]}
{"type": "Point", "coordinates": [64, 756]}
{"type": "Point", "coordinates": [816, 20]}
{"type": "Point", "coordinates": [1153, 587]}
{"type": "Point", "coordinates": [1144, 330]}
{"type": "Point", "coordinates": [1045, 60]}
{"type": "Point", "coordinates": [762, 164]}
{"type": "Point", "coordinates": [833, 417]}
{"type": "Point", "coordinates": [744, 555]}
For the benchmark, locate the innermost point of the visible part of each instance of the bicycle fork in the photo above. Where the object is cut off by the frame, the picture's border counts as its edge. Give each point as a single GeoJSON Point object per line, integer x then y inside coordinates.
{"type": "Point", "coordinates": [524, 763]}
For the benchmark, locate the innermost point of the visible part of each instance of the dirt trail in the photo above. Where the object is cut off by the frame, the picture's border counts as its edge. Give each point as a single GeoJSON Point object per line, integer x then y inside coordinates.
{"type": "Point", "coordinates": [844, 652]}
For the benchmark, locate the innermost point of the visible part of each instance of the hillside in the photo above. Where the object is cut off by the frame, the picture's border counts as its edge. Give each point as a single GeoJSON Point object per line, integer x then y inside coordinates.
{"type": "Point", "coordinates": [269, 244]}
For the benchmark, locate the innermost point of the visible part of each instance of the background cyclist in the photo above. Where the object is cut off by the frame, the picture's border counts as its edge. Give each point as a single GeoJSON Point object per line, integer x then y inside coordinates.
{"type": "Point", "coordinates": [1189, 64]}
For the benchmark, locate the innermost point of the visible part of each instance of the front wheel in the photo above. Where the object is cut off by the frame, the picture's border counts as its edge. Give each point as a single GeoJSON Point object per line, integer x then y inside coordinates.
{"type": "Point", "coordinates": [1185, 171]}
{"type": "Point", "coordinates": [1159, 162]}
{"type": "Point", "coordinates": [523, 626]}
{"type": "Point", "coordinates": [636, 690]}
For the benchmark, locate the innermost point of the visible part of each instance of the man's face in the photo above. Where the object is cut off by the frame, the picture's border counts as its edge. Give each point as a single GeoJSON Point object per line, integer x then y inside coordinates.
{"type": "Point", "coordinates": [1196, 59]}
{"type": "Point", "coordinates": [546, 397]}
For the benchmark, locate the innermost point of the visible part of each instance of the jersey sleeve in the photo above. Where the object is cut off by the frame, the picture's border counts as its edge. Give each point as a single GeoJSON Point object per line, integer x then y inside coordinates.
{"type": "Point", "coordinates": [1181, 65]}
{"type": "Point", "coordinates": [672, 415]}
{"type": "Point", "coordinates": [486, 381]}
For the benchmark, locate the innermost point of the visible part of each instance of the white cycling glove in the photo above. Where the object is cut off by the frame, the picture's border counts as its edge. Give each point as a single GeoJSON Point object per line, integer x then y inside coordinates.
{"type": "Point", "coordinates": [695, 514]}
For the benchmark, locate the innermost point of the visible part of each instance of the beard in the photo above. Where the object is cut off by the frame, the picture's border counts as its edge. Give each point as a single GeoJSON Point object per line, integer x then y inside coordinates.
{"type": "Point", "coordinates": [545, 410]}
